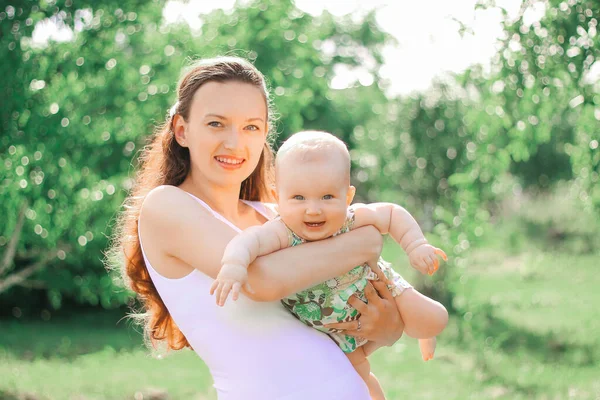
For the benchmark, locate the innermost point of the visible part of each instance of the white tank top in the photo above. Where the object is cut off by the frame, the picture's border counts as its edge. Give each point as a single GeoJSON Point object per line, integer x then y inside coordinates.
{"type": "Point", "coordinates": [256, 350]}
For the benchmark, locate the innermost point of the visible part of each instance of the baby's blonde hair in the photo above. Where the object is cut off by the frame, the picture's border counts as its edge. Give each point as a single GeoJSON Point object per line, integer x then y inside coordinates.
{"type": "Point", "coordinates": [308, 146]}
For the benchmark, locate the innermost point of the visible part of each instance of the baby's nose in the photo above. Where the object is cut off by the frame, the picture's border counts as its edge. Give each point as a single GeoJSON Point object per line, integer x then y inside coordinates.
{"type": "Point", "coordinates": [313, 209]}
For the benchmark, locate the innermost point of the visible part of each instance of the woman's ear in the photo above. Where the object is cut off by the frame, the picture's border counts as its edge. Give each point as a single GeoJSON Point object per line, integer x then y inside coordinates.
{"type": "Point", "coordinates": [274, 194]}
{"type": "Point", "coordinates": [180, 130]}
{"type": "Point", "coordinates": [350, 195]}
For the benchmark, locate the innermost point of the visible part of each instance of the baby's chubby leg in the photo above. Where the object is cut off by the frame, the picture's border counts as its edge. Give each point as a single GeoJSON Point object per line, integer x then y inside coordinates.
{"type": "Point", "coordinates": [361, 365]}
{"type": "Point", "coordinates": [424, 319]}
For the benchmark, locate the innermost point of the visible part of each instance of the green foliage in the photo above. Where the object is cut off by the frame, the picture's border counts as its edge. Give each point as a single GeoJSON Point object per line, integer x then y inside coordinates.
{"type": "Point", "coordinates": [71, 126]}
{"type": "Point", "coordinates": [549, 92]}
{"type": "Point", "coordinates": [76, 112]}
{"type": "Point", "coordinates": [559, 219]}
{"type": "Point", "coordinates": [454, 154]}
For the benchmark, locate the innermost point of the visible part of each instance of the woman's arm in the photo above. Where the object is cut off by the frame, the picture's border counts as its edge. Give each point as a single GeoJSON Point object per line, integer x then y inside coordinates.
{"type": "Point", "coordinates": [179, 234]}
{"type": "Point", "coordinates": [291, 270]}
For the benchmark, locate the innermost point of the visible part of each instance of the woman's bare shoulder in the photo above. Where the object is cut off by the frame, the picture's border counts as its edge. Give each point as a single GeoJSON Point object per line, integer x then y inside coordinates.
{"type": "Point", "coordinates": [175, 226]}
{"type": "Point", "coordinates": [168, 206]}
{"type": "Point", "coordinates": [162, 195]}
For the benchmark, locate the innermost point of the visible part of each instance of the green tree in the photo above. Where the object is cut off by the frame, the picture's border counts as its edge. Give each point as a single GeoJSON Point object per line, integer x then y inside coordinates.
{"type": "Point", "coordinates": [75, 113]}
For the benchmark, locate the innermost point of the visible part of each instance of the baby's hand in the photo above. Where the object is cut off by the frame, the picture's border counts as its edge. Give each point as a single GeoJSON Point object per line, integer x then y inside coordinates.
{"type": "Point", "coordinates": [424, 258]}
{"type": "Point", "coordinates": [230, 279]}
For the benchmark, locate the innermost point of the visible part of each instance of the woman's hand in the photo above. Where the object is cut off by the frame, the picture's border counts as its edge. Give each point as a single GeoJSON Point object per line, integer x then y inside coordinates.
{"type": "Point", "coordinates": [380, 320]}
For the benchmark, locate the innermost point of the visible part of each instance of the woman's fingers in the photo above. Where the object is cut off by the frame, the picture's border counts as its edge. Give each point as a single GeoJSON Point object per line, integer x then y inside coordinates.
{"type": "Point", "coordinates": [355, 333]}
{"type": "Point", "coordinates": [344, 327]}
{"type": "Point", "coordinates": [382, 290]}
{"type": "Point", "coordinates": [371, 294]}
{"type": "Point", "coordinates": [375, 268]}
{"type": "Point", "coordinates": [357, 303]}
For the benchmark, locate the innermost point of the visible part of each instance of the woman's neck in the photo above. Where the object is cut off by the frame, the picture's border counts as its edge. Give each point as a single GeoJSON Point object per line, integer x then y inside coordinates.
{"type": "Point", "coordinates": [222, 199]}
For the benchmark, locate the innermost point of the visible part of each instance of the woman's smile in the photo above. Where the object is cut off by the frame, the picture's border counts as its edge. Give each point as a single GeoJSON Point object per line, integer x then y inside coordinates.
{"type": "Point", "coordinates": [229, 162]}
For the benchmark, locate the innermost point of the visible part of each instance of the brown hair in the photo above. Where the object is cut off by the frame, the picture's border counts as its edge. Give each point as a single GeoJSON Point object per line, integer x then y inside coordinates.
{"type": "Point", "coordinates": [165, 162]}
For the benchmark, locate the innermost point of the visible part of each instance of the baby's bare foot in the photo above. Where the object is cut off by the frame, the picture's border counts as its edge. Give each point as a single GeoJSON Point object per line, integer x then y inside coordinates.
{"type": "Point", "coordinates": [427, 348]}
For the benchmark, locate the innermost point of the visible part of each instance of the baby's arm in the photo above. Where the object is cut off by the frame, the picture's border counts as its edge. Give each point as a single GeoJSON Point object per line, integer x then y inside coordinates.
{"type": "Point", "coordinates": [395, 220]}
{"type": "Point", "coordinates": [241, 251]}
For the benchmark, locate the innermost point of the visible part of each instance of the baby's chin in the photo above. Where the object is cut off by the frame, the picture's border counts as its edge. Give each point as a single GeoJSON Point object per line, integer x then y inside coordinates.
{"type": "Point", "coordinates": [314, 236]}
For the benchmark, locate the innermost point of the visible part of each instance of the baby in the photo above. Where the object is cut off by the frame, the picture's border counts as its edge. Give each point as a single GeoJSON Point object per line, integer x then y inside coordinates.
{"type": "Point", "coordinates": [314, 195]}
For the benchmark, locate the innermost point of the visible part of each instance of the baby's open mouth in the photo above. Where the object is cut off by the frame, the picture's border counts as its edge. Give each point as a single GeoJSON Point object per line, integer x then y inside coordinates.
{"type": "Point", "coordinates": [315, 224]}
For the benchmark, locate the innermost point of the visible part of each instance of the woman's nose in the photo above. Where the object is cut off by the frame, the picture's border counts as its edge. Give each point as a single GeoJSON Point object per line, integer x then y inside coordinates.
{"type": "Point", "coordinates": [232, 140]}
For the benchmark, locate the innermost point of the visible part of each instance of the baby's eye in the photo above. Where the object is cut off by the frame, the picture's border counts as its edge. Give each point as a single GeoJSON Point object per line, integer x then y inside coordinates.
{"type": "Point", "coordinates": [328, 197]}
{"type": "Point", "coordinates": [215, 124]}
{"type": "Point", "coordinates": [298, 197]}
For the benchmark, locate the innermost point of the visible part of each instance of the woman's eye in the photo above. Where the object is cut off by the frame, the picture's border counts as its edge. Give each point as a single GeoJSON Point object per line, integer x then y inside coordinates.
{"type": "Point", "coordinates": [328, 197]}
{"type": "Point", "coordinates": [253, 128]}
{"type": "Point", "coordinates": [298, 197]}
{"type": "Point", "coordinates": [215, 124]}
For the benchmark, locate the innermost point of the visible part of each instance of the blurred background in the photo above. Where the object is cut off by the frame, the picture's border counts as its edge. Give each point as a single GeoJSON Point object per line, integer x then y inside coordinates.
{"type": "Point", "coordinates": [482, 118]}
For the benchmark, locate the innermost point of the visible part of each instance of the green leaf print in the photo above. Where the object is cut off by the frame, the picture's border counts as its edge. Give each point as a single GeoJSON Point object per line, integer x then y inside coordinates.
{"type": "Point", "coordinates": [345, 295]}
{"type": "Point", "coordinates": [341, 314]}
{"type": "Point", "coordinates": [309, 311]}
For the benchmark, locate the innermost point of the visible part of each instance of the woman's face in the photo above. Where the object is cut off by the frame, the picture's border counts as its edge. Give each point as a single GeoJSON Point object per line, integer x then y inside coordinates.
{"type": "Point", "coordinates": [225, 132]}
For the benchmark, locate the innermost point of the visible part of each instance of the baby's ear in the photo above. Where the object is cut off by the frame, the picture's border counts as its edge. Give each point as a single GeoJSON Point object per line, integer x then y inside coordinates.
{"type": "Point", "coordinates": [350, 195]}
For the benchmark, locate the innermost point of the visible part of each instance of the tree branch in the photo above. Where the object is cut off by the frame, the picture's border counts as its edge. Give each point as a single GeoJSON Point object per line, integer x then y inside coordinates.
{"type": "Point", "coordinates": [19, 277]}
{"type": "Point", "coordinates": [32, 284]}
{"type": "Point", "coordinates": [11, 249]}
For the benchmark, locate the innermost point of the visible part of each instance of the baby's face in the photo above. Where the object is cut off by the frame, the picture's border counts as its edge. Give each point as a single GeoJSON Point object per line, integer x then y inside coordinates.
{"type": "Point", "coordinates": [313, 197]}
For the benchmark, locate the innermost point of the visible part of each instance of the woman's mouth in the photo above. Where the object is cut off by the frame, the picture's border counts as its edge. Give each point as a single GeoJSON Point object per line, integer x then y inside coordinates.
{"type": "Point", "coordinates": [229, 162]}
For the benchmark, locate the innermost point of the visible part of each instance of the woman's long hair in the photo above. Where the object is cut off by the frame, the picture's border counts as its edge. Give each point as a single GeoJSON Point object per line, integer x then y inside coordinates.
{"type": "Point", "coordinates": [165, 162]}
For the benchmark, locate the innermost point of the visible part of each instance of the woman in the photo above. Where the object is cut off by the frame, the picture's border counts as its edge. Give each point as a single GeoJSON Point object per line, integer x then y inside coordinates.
{"type": "Point", "coordinates": [201, 181]}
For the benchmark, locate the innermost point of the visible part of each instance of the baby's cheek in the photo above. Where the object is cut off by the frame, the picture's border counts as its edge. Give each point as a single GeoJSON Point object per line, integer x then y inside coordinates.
{"type": "Point", "coordinates": [291, 218]}
{"type": "Point", "coordinates": [337, 223]}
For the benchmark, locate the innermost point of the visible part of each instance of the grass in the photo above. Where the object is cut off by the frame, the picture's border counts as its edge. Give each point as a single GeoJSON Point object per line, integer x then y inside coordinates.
{"type": "Point", "coordinates": [526, 328]}
{"type": "Point", "coordinates": [93, 356]}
